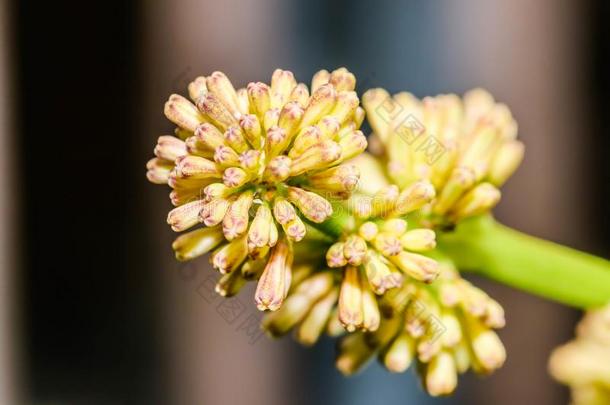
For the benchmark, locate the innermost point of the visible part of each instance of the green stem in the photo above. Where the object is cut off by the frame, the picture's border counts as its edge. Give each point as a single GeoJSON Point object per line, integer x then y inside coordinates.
{"type": "Point", "coordinates": [540, 267]}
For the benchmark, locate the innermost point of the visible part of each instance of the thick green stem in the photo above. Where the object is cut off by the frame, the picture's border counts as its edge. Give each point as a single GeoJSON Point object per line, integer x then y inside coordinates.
{"type": "Point", "coordinates": [540, 267]}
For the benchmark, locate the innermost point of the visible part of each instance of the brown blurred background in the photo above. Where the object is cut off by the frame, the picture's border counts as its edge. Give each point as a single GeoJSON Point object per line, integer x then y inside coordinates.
{"type": "Point", "coordinates": [93, 307]}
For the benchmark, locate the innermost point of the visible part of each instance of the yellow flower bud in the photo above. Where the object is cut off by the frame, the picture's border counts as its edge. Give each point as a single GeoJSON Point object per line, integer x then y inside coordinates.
{"type": "Point", "coordinates": [505, 162]}
{"type": "Point", "coordinates": [213, 212]}
{"type": "Point", "coordinates": [271, 288]}
{"type": "Point", "coordinates": [354, 250]}
{"type": "Point", "coordinates": [441, 375]}
{"type": "Point", "coordinates": [230, 256]}
{"type": "Point", "coordinates": [399, 355]}
{"type": "Point", "coordinates": [350, 300]}
{"type": "Point", "coordinates": [216, 111]}
{"type": "Point", "coordinates": [183, 113]}
{"type": "Point", "coordinates": [235, 222]}
{"type": "Point", "coordinates": [314, 207]}
{"type": "Point", "coordinates": [313, 325]}
{"type": "Point", "coordinates": [185, 216]}
{"type": "Point", "coordinates": [196, 243]}
{"type": "Point", "coordinates": [169, 148]}
{"type": "Point", "coordinates": [419, 240]}
{"type": "Point", "coordinates": [315, 157]}
{"type": "Point", "coordinates": [416, 266]}
{"type": "Point", "coordinates": [197, 88]}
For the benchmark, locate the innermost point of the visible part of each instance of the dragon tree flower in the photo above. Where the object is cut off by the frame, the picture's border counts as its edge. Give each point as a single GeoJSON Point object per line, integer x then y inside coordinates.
{"type": "Point", "coordinates": [445, 327]}
{"type": "Point", "coordinates": [466, 147]}
{"type": "Point", "coordinates": [375, 259]}
{"type": "Point", "coordinates": [584, 363]}
{"type": "Point", "coordinates": [254, 165]}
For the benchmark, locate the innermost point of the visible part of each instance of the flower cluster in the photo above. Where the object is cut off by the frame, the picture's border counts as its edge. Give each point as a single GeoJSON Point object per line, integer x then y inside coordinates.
{"type": "Point", "coordinates": [254, 165]}
{"type": "Point", "coordinates": [466, 147]}
{"type": "Point", "coordinates": [584, 363]}
{"type": "Point", "coordinates": [341, 240]}
{"type": "Point", "coordinates": [446, 327]}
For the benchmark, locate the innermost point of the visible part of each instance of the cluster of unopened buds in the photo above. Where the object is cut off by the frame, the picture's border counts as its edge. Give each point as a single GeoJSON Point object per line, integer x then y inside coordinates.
{"type": "Point", "coordinates": [266, 172]}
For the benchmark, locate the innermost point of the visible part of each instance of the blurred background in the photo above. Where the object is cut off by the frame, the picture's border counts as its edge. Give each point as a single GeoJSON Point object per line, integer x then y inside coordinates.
{"type": "Point", "coordinates": [93, 307]}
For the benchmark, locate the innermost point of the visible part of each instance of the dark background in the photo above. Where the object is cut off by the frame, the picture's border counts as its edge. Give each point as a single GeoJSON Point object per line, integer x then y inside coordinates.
{"type": "Point", "coordinates": [90, 298]}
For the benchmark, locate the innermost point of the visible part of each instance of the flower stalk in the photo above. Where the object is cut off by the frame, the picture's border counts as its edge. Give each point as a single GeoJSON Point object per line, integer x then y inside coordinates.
{"type": "Point", "coordinates": [544, 268]}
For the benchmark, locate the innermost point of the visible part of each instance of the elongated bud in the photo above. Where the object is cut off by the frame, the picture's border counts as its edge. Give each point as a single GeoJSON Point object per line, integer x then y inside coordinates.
{"type": "Point", "coordinates": [419, 240]}
{"type": "Point", "coordinates": [504, 163]}
{"type": "Point", "coordinates": [347, 101]}
{"type": "Point", "coordinates": [384, 200]}
{"type": "Point", "coordinates": [234, 137]}
{"type": "Point", "coordinates": [278, 169]}
{"type": "Point", "coordinates": [354, 250]}
{"type": "Point", "coordinates": [494, 315]}
{"type": "Point", "coordinates": [313, 325]}
{"type": "Point", "coordinates": [271, 118]}
{"type": "Point", "coordinates": [321, 102]}
{"type": "Point", "coordinates": [395, 226]}
{"type": "Point", "coordinates": [352, 145]}
{"type": "Point", "coordinates": [399, 355]}
{"type": "Point", "coordinates": [258, 234]}
{"type": "Point", "coordinates": [158, 170]}
{"type": "Point", "coordinates": [342, 79]}
{"type": "Point", "coordinates": [370, 311]}
{"type": "Point", "coordinates": [249, 160]}
{"type": "Point", "coordinates": [388, 244]}
{"type": "Point", "coordinates": [306, 138]}
{"type": "Point", "coordinates": [354, 352]}
{"type": "Point", "coordinates": [271, 288]}
{"type": "Point", "coordinates": [185, 216]}
{"type": "Point", "coordinates": [216, 190]}
{"type": "Point", "coordinates": [290, 118]}
{"type": "Point", "coordinates": [329, 126]}
{"type": "Point", "coordinates": [234, 177]}
{"type": "Point", "coordinates": [282, 84]}
{"type": "Point", "coordinates": [300, 94]}
{"type": "Point", "coordinates": [283, 211]}
{"type": "Point", "coordinates": [368, 231]}
{"type": "Point", "coordinates": [196, 147]}
{"type": "Point", "coordinates": [298, 303]}
{"type": "Point", "coordinates": [460, 180]}
{"type": "Point", "coordinates": [260, 98]}
{"type": "Point", "coordinates": [416, 266]}
{"type": "Point", "coordinates": [319, 79]}
{"type": "Point", "coordinates": [235, 222]}
{"type": "Point", "coordinates": [414, 197]}
{"type": "Point", "coordinates": [197, 88]}
{"type": "Point", "coordinates": [379, 275]}
{"type": "Point", "coordinates": [213, 212]}
{"type": "Point", "coordinates": [195, 167]}
{"type": "Point", "coordinates": [314, 207]}
{"type": "Point", "coordinates": [315, 157]}
{"type": "Point", "coordinates": [453, 331]}
{"type": "Point", "coordinates": [379, 108]}
{"type": "Point", "coordinates": [252, 129]}
{"type": "Point", "coordinates": [277, 141]}
{"type": "Point", "coordinates": [295, 229]}
{"type": "Point", "coordinates": [350, 300]}
{"type": "Point", "coordinates": [488, 350]}
{"type": "Point", "coordinates": [477, 201]}
{"type": "Point", "coordinates": [226, 156]}
{"type": "Point", "coordinates": [169, 148]}
{"type": "Point", "coordinates": [230, 256]}
{"type": "Point", "coordinates": [220, 85]}
{"type": "Point", "coordinates": [196, 243]}
{"type": "Point", "coordinates": [183, 113]}
{"type": "Point", "coordinates": [230, 284]}
{"type": "Point", "coordinates": [335, 257]}
{"type": "Point", "coordinates": [209, 136]}
{"type": "Point", "coordinates": [441, 375]}
{"type": "Point", "coordinates": [216, 111]}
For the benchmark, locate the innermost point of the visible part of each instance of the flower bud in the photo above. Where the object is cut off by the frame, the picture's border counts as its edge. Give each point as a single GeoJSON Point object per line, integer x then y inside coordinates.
{"type": "Point", "coordinates": [158, 170]}
{"type": "Point", "coordinates": [314, 207]}
{"type": "Point", "coordinates": [252, 129]}
{"type": "Point", "coordinates": [169, 148]}
{"type": "Point", "coordinates": [197, 88]}
{"type": "Point", "coordinates": [321, 102]}
{"type": "Point", "coordinates": [258, 234]}
{"type": "Point", "coordinates": [368, 231]}
{"type": "Point", "coordinates": [290, 118]}
{"type": "Point", "coordinates": [395, 226]}
{"type": "Point", "coordinates": [505, 162]}
{"type": "Point", "coordinates": [283, 211]}
{"type": "Point", "coordinates": [354, 250]}
{"type": "Point", "coordinates": [209, 136]}
{"type": "Point", "coordinates": [220, 85]}
{"type": "Point", "coordinates": [384, 200]}
{"type": "Point", "coordinates": [414, 197]}
{"type": "Point", "coordinates": [319, 79]}
{"type": "Point", "coordinates": [387, 244]}
{"type": "Point", "coordinates": [399, 355]}
{"type": "Point", "coordinates": [300, 94]}
{"type": "Point", "coordinates": [347, 101]}
{"type": "Point", "coordinates": [476, 201]}
{"type": "Point", "coordinates": [315, 157]}
{"type": "Point", "coordinates": [230, 284]}
{"type": "Point", "coordinates": [183, 113]}
{"type": "Point", "coordinates": [235, 222]}
{"type": "Point", "coordinates": [441, 375]}
{"type": "Point", "coordinates": [234, 177]}
{"type": "Point", "coordinates": [216, 111]}
{"type": "Point", "coordinates": [313, 325]}
{"type": "Point", "coordinates": [185, 216]}
{"type": "Point", "coordinates": [213, 212]}
{"type": "Point", "coordinates": [260, 98]}
{"type": "Point", "coordinates": [370, 311]}
{"type": "Point", "coordinates": [195, 167]}
{"type": "Point", "coordinates": [226, 156]}
{"type": "Point", "coordinates": [271, 288]}
{"type": "Point", "coordinates": [352, 145]}
{"type": "Point", "coordinates": [335, 257]}
{"type": "Point", "coordinates": [249, 160]}
{"type": "Point", "coordinates": [379, 275]}
{"type": "Point", "coordinates": [419, 267]}
{"type": "Point", "coordinates": [340, 178]}
{"type": "Point", "coordinates": [230, 256]}
{"type": "Point", "coordinates": [342, 79]}
{"type": "Point", "coordinates": [460, 180]}
{"type": "Point", "coordinates": [278, 169]}
{"type": "Point", "coordinates": [419, 240]}
{"type": "Point", "coordinates": [196, 243]}
{"type": "Point", "coordinates": [295, 229]}
{"type": "Point", "coordinates": [350, 300]}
